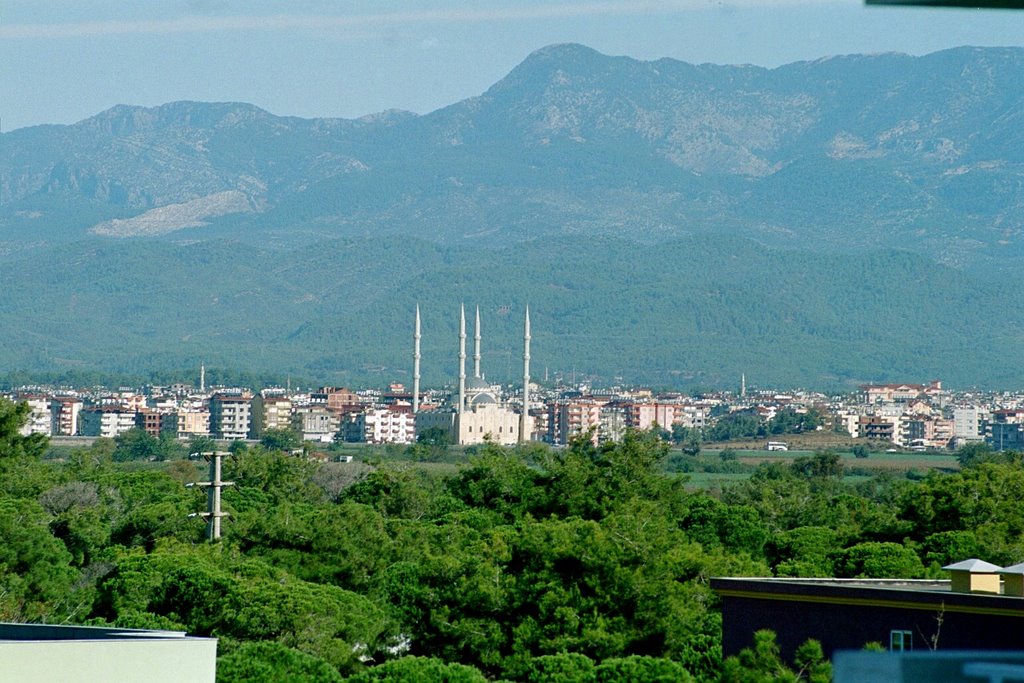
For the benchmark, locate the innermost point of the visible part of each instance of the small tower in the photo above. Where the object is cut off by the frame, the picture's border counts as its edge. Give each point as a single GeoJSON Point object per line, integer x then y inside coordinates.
{"type": "Point", "coordinates": [524, 416]}
{"type": "Point", "coordinates": [416, 364]}
{"type": "Point", "coordinates": [202, 378]}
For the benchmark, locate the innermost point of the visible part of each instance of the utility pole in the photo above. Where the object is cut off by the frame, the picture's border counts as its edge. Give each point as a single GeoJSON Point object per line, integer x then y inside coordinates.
{"type": "Point", "coordinates": [213, 512]}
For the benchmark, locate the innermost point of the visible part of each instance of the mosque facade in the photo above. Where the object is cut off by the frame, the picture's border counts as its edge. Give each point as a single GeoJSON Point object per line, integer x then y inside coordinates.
{"type": "Point", "coordinates": [478, 414]}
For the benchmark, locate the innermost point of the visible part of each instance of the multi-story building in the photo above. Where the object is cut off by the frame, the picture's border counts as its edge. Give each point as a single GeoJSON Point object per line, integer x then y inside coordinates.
{"type": "Point", "coordinates": [613, 422]}
{"type": "Point", "coordinates": [315, 423]}
{"type": "Point", "coordinates": [270, 412]}
{"type": "Point", "coordinates": [193, 422]}
{"type": "Point", "coordinates": [890, 393]}
{"type": "Point", "coordinates": [574, 417]}
{"type": "Point", "coordinates": [40, 419]}
{"type": "Point", "coordinates": [64, 413]}
{"type": "Point", "coordinates": [337, 399]}
{"type": "Point", "coordinates": [848, 420]}
{"type": "Point", "coordinates": [692, 416]}
{"type": "Point", "coordinates": [381, 426]}
{"type": "Point", "coordinates": [643, 416]}
{"type": "Point", "coordinates": [105, 421]}
{"type": "Point", "coordinates": [230, 416]}
{"type": "Point", "coordinates": [877, 427]}
{"type": "Point", "coordinates": [969, 423]}
{"type": "Point", "coordinates": [155, 422]}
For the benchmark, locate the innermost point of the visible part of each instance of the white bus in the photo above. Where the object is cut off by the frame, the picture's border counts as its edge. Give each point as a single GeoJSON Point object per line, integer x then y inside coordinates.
{"type": "Point", "coordinates": [777, 446]}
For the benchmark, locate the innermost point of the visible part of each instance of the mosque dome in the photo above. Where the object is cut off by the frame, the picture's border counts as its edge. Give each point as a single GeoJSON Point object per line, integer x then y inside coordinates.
{"type": "Point", "coordinates": [477, 384]}
{"type": "Point", "coordinates": [483, 398]}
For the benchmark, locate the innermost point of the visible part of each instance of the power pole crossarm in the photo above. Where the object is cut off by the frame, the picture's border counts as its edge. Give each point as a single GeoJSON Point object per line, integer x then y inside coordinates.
{"type": "Point", "coordinates": [213, 488]}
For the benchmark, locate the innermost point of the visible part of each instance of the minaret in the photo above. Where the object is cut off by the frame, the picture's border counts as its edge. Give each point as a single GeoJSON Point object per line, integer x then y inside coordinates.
{"type": "Point", "coordinates": [524, 416]}
{"type": "Point", "coordinates": [476, 346]}
{"type": "Point", "coordinates": [416, 364]}
{"type": "Point", "coordinates": [202, 378]}
{"type": "Point", "coordinates": [462, 358]}
{"type": "Point", "coordinates": [743, 385]}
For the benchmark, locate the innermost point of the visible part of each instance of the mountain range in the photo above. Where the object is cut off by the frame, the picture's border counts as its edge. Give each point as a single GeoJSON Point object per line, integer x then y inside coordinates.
{"type": "Point", "coordinates": [822, 223]}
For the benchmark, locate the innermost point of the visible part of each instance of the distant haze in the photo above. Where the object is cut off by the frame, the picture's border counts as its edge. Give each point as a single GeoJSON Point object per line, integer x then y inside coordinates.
{"type": "Point", "coordinates": [64, 61]}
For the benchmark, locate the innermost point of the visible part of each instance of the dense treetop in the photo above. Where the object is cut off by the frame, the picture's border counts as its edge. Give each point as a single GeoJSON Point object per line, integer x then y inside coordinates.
{"type": "Point", "coordinates": [587, 563]}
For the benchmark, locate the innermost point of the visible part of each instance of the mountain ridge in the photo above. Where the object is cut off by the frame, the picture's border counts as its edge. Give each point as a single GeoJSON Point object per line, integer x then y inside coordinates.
{"type": "Point", "coordinates": [748, 219]}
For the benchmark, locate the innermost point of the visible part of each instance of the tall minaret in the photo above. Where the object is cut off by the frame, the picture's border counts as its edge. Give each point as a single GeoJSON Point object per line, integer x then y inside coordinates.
{"type": "Point", "coordinates": [476, 346]}
{"type": "Point", "coordinates": [743, 385]}
{"type": "Point", "coordinates": [524, 416]}
{"type": "Point", "coordinates": [462, 358]}
{"type": "Point", "coordinates": [416, 364]}
{"type": "Point", "coordinates": [202, 378]}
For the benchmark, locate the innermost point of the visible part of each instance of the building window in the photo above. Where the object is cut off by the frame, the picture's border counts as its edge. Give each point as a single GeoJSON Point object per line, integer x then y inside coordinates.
{"type": "Point", "coordinates": [901, 641]}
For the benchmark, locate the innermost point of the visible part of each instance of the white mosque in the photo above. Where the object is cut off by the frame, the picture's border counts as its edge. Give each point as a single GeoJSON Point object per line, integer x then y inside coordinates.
{"type": "Point", "coordinates": [479, 414]}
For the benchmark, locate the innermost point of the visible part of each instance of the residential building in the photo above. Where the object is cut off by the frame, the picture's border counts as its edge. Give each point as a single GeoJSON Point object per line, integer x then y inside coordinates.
{"type": "Point", "coordinates": [315, 423]}
{"type": "Point", "coordinates": [155, 422]}
{"type": "Point", "coordinates": [381, 425]}
{"type": "Point", "coordinates": [193, 422]}
{"type": "Point", "coordinates": [270, 412]}
{"type": "Point", "coordinates": [40, 419]}
{"type": "Point", "coordinates": [105, 421]}
{"type": "Point", "coordinates": [969, 424]}
{"type": "Point", "coordinates": [64, 412]}
{"type": "Point", "coordinates": [337, 399]}
{"type": "Point", "coordinates": [877, 427]}
{"type": "Point", "coordinates": [230, 416]}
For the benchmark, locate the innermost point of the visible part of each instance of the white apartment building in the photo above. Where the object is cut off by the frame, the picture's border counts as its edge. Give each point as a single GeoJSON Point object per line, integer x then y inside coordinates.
{"type": "Point", "coordinates": [969, 423]}
{"type": "Point", "coordinates": [40, 420]}
{"type": "Point", "coordinates": [106, 422]}
{"type": "Point", "coordinates": [381, 426]}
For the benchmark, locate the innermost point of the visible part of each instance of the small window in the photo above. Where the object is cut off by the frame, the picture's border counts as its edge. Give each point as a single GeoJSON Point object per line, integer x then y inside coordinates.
{"type": "Point", "coordinates": [901, 641]}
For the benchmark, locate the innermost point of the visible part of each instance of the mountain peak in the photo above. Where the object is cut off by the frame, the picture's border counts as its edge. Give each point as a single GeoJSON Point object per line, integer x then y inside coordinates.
{"type": "Point", "coordinates": [125, 119]}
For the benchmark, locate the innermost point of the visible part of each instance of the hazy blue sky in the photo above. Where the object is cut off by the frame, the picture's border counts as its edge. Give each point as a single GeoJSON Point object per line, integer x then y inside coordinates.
{"type": "Point", "coordinates": [65, 60]}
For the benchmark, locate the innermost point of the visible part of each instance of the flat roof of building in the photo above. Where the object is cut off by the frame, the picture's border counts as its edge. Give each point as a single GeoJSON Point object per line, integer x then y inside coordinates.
{"type": "Point", "coordinates": [905, 593]}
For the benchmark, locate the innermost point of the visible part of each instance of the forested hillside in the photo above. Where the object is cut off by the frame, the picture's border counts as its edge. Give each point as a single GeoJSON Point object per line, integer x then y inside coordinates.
{"type": "Point", "coordinates": [672, 224]}
{"type": "Point", "coordinates": [529, 564]}
{"type": "Point", "coordinates": [688, 312]}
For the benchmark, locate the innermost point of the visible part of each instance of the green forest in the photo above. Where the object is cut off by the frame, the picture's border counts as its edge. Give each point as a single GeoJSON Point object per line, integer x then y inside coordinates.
{"type": "Point", "coordinates": [588, 563]}
{"type": "Point", "coordinates": [693, 312]}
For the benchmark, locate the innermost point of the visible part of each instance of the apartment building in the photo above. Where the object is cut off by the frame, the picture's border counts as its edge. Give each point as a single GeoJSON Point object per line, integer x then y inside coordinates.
{"type": "Point", "coordinates": [381, 426]}
{"type": "Point", "coordinates": [315, 423]}
{"type": "Point", "coordinates": [573, 417]}
{"type": "Point", "coordinates": [105, 421]}
{"type": "Point", "coordinates": [270, 412]}
{"type": "Point", "coordinates": [230, 416]}
{"type": "Point", "coordinates": [40, 419]}
{"type": "Point", "coordinates": [64, 412]}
